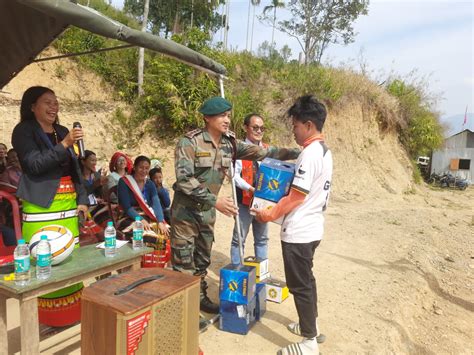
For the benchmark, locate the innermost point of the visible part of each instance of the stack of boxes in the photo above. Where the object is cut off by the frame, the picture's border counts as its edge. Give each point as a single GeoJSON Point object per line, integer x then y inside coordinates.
{"type": "Point", "coordinates": [274, 179]}
{"type": "Point", "coordinates": [243, 291]}
{"type": "Point", "coordinates": [242, 301]}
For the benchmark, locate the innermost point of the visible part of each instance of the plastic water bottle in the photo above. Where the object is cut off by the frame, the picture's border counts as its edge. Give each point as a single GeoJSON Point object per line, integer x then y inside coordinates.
{"type": "Point", "coordinates": [43, 259]}
{"type": "Point", "coordinates": [22, 263]}
{"type": "Point", "coordinates": [137, 242]}
{"type": "Point", "coordinates": [110, 239]}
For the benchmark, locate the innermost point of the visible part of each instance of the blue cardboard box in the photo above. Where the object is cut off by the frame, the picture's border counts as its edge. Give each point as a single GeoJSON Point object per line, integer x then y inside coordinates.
{"type": "Point", "coordinates": [261, 299]}
{"type": "Point", "coordinates": [274, 179]}
{"type": "Point", "coordinates": [237, 283]}
{"type": "Point", "coordinates": [238, 318]}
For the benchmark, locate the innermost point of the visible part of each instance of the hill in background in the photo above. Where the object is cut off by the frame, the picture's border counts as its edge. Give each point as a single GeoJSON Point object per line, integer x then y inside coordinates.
{"type": "Point", "coordinates": [369, 162]}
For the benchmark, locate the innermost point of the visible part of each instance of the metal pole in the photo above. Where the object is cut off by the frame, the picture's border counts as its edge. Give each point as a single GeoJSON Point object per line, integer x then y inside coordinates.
{"type": "Point", "coordinates": [234, 191]}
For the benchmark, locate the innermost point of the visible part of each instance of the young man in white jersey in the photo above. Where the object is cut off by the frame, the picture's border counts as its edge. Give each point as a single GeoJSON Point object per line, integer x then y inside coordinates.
{"type": "Point", "coordinates": [302, 227]}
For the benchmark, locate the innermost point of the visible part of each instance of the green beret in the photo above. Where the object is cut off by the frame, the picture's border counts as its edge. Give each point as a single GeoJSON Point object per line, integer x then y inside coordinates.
{"type": "Point", "coordinates": [215, 106]}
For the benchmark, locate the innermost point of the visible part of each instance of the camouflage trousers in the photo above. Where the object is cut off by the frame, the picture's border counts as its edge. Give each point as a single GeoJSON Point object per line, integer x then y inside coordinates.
{"type": "Point", "coordinates": [192, 235]}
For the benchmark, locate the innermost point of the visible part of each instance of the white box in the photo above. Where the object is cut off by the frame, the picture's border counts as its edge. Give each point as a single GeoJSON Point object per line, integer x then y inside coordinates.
{"type": "Point", "coordinates": [261, 204]}
{"type": "Point", "coordinates": [277, 291]}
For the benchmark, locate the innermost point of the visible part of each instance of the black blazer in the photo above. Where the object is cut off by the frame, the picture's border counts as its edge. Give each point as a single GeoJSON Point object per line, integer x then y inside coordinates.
{"type": "Point", "coordinates": [41, 164]}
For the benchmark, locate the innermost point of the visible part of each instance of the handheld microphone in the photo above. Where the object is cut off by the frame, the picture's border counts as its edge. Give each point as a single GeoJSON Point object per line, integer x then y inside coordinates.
{"type": "Point", "coordinates": [80, 142]}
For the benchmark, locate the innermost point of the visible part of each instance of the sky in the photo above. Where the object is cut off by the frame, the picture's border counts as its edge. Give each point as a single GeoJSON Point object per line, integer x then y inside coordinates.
{"type": "Point", "coordinates": [433, 39]}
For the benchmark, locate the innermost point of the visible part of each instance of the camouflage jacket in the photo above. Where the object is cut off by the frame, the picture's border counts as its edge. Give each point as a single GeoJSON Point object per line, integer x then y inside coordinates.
{"type": "Point", "coordinates": [201, 166]}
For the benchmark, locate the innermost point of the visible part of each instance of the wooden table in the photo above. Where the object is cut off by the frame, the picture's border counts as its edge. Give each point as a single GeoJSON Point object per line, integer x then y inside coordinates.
{"type": "Point", "coordinates": [86, 262]}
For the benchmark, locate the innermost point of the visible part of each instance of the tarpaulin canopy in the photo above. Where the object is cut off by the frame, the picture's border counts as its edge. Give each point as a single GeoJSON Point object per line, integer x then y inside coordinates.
{"type": "Point", "coordinates": [29, 26]}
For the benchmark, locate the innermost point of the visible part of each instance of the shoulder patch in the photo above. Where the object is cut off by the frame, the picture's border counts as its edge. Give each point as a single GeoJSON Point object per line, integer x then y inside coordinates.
{"type": "Point", "coordinates": [230, 134]}
{"type": "Point", "coordinates": [193, 133]}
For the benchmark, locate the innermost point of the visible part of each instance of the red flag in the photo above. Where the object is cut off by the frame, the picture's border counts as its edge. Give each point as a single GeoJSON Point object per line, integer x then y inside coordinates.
{"type": "Point", "coordinates": [465, 117]}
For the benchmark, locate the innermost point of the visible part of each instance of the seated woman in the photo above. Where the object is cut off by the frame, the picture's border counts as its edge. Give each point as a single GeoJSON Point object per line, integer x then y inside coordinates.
{"type": "Point", "coordinates": [13, 172]}
{"type": "Point", "coordinates": [94, 182]}
{"type": "Point", "coordinates": [156, 175]}
{"type": "Point", "coordinates": [3, 157]}
{"type": "Point", "coordinates": [136, 192]}
{"type": "Point", "coordinates": [120, 165]}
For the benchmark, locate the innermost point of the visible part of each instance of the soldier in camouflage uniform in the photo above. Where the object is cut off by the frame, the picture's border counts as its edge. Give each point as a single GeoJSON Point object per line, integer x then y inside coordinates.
{"type": "Point", "coordinates": [202, 160]}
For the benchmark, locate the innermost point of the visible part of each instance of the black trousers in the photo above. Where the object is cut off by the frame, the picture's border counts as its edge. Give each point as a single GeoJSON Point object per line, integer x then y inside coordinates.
{"type": "Point", "coordinates": [298, 263]}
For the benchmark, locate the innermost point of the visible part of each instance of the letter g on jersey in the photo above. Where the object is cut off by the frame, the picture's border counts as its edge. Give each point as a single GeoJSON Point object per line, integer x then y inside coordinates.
{"type": "Point", "coordinates": [327, 185]}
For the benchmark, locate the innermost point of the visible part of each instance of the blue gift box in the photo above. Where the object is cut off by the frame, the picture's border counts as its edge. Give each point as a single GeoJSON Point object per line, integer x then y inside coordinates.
{"type": "Point", "coordinates": [237, 283]}
{"type": "Point", "coordinates": [261, 299]}
{"type": "Point", "coordinates": [274, 179]}
{"type": "Point", "coordinates": [238, 318]}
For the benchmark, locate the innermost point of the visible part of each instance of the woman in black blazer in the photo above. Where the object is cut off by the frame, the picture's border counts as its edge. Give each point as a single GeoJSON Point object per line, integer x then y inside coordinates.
{"type": "Point", "coordinates": [51, 187]}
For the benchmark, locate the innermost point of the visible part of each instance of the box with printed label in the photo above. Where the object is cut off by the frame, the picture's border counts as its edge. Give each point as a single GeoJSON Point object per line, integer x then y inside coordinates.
{"type": "Point", "coordinates": [238, 318]}
{"type": "Point", "coordinates": [261, 266]}
{"type": "Point", "coordinates": [261, 300]}
{"type": "Point", "coordinates": [276, 290]}
{"type": "Point", "coordinates": [261, 204]}
{"type": "Point", "coordinates": [237, 283]}
{"type": "Point", "coordinates": [274, 179]}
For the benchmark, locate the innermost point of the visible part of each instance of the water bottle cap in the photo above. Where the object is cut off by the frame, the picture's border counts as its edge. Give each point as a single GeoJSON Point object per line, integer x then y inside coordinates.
{"type": "Point", "coordinates": [110, 224]}
{"type": "Point", "coordinates": [44, 237]}
{"type": "Point", "coordinates": [21, 242]}
{"type": "Point", "coordinates": [138, 218]}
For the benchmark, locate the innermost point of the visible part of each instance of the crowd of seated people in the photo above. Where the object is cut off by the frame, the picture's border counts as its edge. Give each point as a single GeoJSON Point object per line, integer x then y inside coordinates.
{"type": "Point", "coordinates": [131, 188]}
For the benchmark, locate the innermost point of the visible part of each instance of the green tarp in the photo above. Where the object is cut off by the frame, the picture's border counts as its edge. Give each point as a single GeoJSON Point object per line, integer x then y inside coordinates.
{"type": "Point", "coordinates": [29, 26]}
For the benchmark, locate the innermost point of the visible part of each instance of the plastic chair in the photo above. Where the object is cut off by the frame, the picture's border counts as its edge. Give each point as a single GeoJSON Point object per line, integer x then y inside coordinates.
{"type": "Point", "coordinates": [4, 186]}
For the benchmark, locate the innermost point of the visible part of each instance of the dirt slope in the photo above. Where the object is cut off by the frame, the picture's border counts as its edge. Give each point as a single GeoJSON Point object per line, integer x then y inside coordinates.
{"type": "Point", "coordinates": [395, 270]}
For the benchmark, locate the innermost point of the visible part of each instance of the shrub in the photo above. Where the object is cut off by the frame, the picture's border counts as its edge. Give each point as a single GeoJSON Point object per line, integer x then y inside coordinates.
{"type": "Point", "coordinates": [421, 131]}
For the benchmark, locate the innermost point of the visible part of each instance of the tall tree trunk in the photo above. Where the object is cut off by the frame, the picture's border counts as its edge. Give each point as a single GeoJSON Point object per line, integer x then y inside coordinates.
{"type": "Point", "coordinates": [274, 19]}
{"type": "Point", "coordinates": [141, 51]}
{"type": "Point", "coordinates": [253, 23]}
{"type": "Point", "coordinates": [177, 19]}
{"type": "Point", "coordinates": [192, 13]}
{"type": "Point", "coordinates": [248, 27]}
{"type": "Point", "coordinates": [307, 41]}
{"type": "Point", "coordinates": [226, 28]}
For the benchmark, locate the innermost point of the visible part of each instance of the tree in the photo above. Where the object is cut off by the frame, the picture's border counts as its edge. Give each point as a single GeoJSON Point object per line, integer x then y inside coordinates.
{"type": "Point", "coordinates": [171, 17]}
{"type": "Point", "coordinates": [275, 4]}
{"type": "Point", "coordinates": [318, 23]}
{"type": "Point", "coordinates": [141, 51]}
{"type": "Point", "coordinates": [253, 3]}
{"type": "Point", "coordinates": [285, 53]}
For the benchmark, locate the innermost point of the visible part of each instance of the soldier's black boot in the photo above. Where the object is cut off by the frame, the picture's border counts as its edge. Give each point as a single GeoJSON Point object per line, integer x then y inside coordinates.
{"type": "Point", "coordinates": [206, 304]}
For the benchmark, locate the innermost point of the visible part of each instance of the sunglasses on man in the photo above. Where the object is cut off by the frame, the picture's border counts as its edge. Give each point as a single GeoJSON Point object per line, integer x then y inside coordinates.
{"type": "Point", "coordinates": [258, 128]}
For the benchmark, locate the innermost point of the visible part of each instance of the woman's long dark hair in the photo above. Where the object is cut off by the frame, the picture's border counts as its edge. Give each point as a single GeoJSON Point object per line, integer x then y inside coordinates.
{"type": "Point", "coordinates": [87, 154]}
{"type": "Point", "coordinates": [30, 96]}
